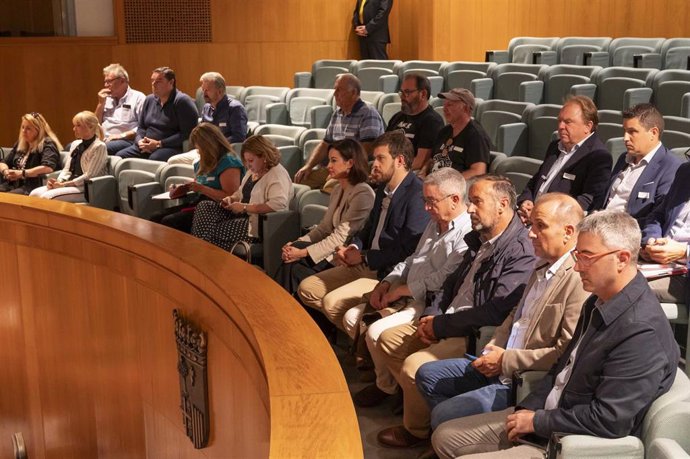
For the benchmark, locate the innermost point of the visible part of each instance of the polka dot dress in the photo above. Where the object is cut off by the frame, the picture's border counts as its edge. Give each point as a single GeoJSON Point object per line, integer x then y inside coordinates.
{"type": "Point", "coordinates": [220, 227]}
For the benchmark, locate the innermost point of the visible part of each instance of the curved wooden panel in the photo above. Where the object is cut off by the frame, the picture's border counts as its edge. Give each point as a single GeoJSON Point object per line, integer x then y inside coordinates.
{"type": "Point", "coordinates": [88, 349]}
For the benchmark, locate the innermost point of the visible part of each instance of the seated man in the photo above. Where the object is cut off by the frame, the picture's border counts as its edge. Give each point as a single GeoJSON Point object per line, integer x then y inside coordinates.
{"type": "Point", "coordinates": [621, 358]}
{"type": "Point", "coordinates": [167, 118]}
{"type": "Point", "coordinates": [417, 118]}
{"type": "Point", "coordinates": [401, 296]}
{"type": "Point", "coordinates": [118, 109]}
{"type": "Point", "coordinates": [353, 119]}
{"type": "Point", "coordinates": [577, 164]}
{"type": "Point", "coordinates": [220, 109]}
{"type": "Point", "coordinates": [643, 176]}
{"type": "Point", "coordinates": [533, 335]}
{"type": "Point", "coordinates": [462, 144]}
{"type": "Point", "coordinates": [390, 234]}
{"type": "Point", "coordinates": [483, 290]}
{"type": "Point", "coordinates": [666, 234]}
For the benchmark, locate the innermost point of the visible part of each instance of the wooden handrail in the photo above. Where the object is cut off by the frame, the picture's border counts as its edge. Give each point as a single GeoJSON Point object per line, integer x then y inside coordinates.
{"type": "Point", "coordinates": [87, 297]}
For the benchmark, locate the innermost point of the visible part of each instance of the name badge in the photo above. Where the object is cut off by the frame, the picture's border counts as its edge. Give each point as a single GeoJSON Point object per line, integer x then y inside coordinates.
{"type": "Point", "coordinates": [643, 195]}
{"type": "Point", "coordinates": [126, 106]}
{"type": "Point", "coordinates": [458, 149]}
{"type": "Point", "coordinates": [222, 124]}
{"type": "Point", "coordinates": [568, 176]}
{"type": "Point", "coordinates": [211, 178]}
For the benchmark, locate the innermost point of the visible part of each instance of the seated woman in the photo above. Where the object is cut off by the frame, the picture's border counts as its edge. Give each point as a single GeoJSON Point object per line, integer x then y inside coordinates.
{"type": "Point", "coordinates": [348, 208]}
{"type": "Point", "coordinates": [266, 188]}
{"type": "Point", "coordinates": [218, 174]}
{"type": "Point", "coordinates": [88, 159]}
{"type": "Point", "coordinates": [36, 153]}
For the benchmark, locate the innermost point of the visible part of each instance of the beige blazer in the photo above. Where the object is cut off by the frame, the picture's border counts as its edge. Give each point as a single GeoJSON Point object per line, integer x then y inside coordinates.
{"type": "Point", "coordinates": [347, 212]}
{"type": "Point", "coordinates": [555, 317]}
{"type": "Point", "coordinates": [273, 189]}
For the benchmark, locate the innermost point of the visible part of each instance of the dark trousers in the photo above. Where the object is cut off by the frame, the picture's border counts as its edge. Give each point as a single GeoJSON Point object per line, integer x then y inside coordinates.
{"type": "Point", "coordinates": [162, 154]}
{"type": "Point", "coordinates": [178, 217]}
{"type": "Point", "coordinates": [290, 275]}
{"type": "Point", "coordinates": [114, 146]}
{"type": "Point", "coordinates": [370, 49]}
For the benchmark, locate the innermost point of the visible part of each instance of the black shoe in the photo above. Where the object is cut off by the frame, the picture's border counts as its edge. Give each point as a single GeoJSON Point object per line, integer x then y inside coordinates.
{"type": "Point", "coordinates": [369, 396]}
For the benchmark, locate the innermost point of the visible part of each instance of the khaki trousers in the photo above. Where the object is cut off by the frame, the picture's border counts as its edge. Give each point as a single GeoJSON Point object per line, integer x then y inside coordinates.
{"type": "Point", "coordinates": [403, 354]}
{"type": "Point", "coordinates": [480, 436]}
{"type": "Point", "coordinates": [336, 290]}
{"type": "Point", "coordinates": [670, 289]}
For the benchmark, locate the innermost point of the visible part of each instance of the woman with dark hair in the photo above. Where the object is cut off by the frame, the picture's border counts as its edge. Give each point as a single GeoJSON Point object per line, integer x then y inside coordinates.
{"type": "Point", "coordinates": [36, 153]}
{"type": "Point", "coordinates": [217, 175]}
{"type": "Point", "coordinates": [349, 206]}
{"type": "Point", "coordinates": [265, 188]}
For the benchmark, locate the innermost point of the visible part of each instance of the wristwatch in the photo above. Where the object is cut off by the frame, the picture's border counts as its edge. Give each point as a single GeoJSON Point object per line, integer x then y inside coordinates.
{"type": "Point", "coordinates": [363, 253]}
{"type": "Point", "coordinates": [244, 208]}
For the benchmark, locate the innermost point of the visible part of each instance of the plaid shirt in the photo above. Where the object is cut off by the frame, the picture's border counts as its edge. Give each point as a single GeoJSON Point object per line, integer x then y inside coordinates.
{"type": "Point", "coordinates": [363, 124]}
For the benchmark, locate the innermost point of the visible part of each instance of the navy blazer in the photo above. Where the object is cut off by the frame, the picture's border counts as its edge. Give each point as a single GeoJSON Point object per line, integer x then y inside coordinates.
{"type": "Point", "coordinates": [660, 220]}
{"type": "Point", "coordinates": [652, 185]}
{"type": "Point", "coordinates": [405, 222]}
{"type": "Point", "coordinates": [584, 176]}
{"type": "Point", "coordinates": [376, 14]}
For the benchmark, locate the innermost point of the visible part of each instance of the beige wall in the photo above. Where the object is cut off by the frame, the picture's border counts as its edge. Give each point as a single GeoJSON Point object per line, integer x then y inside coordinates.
{"type": "Point", "coordinates": [265, 41]}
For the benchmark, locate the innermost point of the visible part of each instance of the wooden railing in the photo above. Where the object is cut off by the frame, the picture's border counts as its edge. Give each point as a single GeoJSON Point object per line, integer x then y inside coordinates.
{"type": "Point", "coordinates": [88, 347]}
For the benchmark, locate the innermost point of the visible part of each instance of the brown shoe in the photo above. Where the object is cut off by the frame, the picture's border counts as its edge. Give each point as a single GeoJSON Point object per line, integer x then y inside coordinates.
{"type": "Point", "coordinates": [369, 396]}
{"type": "Point", "coordinates": [399, 437]}
{"type": "Point", "coordinates": [428, 453]}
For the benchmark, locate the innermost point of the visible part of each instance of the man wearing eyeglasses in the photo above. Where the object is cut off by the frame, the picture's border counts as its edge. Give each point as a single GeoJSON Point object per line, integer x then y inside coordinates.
{"type": "Point", "coordinates": [487, 285]}
{"type": "Point", "coordinates": [644, 174]}
{"type": "Point", "coordinates": [621, 358]}
{"type": "Point", "coordinates": [118, 109]}
{"type": "Point", "coordinates": [416, 118]}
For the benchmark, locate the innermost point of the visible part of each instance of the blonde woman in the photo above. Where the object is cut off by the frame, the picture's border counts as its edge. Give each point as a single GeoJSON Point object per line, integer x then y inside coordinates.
{"type": "Point", "coordinates": [36, 153]}
{"type": "Point", "coordinates": [88, 157]}
{"type": "Point", "coordinates": [218, 174]}
{"type": "Point", "coordinates": [265, 188]}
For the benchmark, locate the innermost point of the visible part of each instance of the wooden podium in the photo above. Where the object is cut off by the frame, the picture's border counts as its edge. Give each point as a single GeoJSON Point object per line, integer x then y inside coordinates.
{"type": "Point", "coordinates": [88, 351]}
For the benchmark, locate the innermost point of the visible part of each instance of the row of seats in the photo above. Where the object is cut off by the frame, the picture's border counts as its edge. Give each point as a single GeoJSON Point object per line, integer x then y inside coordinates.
{"type": "Point", "coordinates": [657, 53]}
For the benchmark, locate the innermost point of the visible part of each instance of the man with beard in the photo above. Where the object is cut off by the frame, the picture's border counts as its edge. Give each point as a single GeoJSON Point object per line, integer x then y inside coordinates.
{"type": "Point", "coordinates": [417, 118]}
{"type": "Point", "coordinates": [391, 234]}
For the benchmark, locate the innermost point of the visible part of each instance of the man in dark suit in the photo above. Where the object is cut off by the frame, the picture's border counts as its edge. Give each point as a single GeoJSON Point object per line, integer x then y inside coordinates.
{"type": "Point", "coordinates": [577, 164]}
{"type": "Point", "coordinates": [370, 21]}
{"type": "Point", "coordinates": [389, 236]}
{"type": "Point", "coordinates": [621, 358]}
{"type": "Point", "coordinates": [666, 234]}
{"type": "Point", "coordinates": [643, 176]}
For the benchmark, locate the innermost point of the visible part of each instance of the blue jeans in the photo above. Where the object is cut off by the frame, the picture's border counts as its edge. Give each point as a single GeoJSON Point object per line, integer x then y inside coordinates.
{"type": "Point", "coordinates": [161, 154]}
{"type": "Point", "coordinates": [454, 389]}
{"type": "Point", "coordinates": [114, 146]}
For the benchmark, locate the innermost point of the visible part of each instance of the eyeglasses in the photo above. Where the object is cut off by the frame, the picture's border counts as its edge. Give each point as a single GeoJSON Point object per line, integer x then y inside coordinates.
{"type": "Point", "coordinates": [407, 92]}
{"type": "Point", "coordinates": [110, 80]}
{"type": "Point", "coordinates": [588, 260]}
{"type": "Point", "coordinates": [431, 202]}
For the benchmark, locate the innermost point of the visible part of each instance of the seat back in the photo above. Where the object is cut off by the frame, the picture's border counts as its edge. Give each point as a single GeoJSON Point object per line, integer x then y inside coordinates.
{"type": "Point", "coordinates": [677, 123]}
{"type": "Point", "coordinates": [293, 132]}
{"type": "Point", "coordinates": [613, 82]}
{"type": "Point", "coordinates": [679, 392]}
{"type": "Point", "coordinates": [389, 110]}
{"type": "Point", "coordinates": [255, 105]}
{"type": "Point", "coordinates": [616, 146]}
{"type": "Point", "coordinates": [369, 77]}
{"type": "Point", "coordinates": [525, 54]}
{"type": "Point", "coordinates": [419, 65]}
{"type": "Point", "coordinates": [501, 105]}
{"type": "Point", "coordinates": [448, 68]}
{"type": "Point", "coordinates": [669, 88]}
{"type": "Point", "coordinates": [508, 77]}
{"type": "Point", "coordinates": [368, 63]}
{"type": "Point", "coordinates": [310, 134]}
{"type": "Point", "coordinates": [324, 77]}
{"type": "Point", "coordinates": [496, 158]}
{"type": "Point", "coordinates": [491, 121]}
{"type": "Point", "coordinates": [521, 46]}
{"type": "Point", "coordinates": [291, 158]}
{"type": "Point", "coordinates": [622, 50]}
{"type": "Point", "coordinates": [518, 164]}
{"type": "Point", "coordinates": [278, 92]}
{"type": "Point", "coordinates": [675, 139]}
{"type": "Point", "coordinates": [299, 110]}
{"type": "Point", "coordinates": [133, 171]}
{"type": "Point", "coordinates": [371, 97]}
{"type": "Point", "coordinates": [607, 131]}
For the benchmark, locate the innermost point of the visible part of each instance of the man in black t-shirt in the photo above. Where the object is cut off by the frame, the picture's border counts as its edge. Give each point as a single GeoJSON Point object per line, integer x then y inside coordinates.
{"type": "Point", "coordinates": [417, 118]}
{"type": "Point", "coordinates": [463, 144]}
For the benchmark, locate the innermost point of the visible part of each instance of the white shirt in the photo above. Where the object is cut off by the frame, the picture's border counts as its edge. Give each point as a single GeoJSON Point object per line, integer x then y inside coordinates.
{"type": "Point", "coordinates": [123, 115]}
{"type": "Point", "coordinates": [627, 179]}
{"type": "Point", "coordinates": [385, 203]}
{"type": "Point", "coordinates": [563, 157]}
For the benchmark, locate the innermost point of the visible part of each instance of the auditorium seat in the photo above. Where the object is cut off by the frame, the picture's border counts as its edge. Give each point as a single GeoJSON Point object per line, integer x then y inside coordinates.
{"type": "Point", "coordinates": [502, 121]}
{"type": "Point", "coordinates": [519, 169]}
{"type": "Point", "coordinates": [521, 51]}
{"type": "Point", "coordinates": [574, 50]}
{"type": "Point", "coordinates": [255, 99]}
{"type": "Point", "coordinates": [232, 91]}
{"type": "Point", "coordinates": [468, 75]}
{"type": "Point", "coordinates": [622, 52]}
{"type": "Point", "coordinates": [675, 54]}
{"type": "Point", "coordinates": [372, 98]}
{"type": "Point", "coordinates": [607, 131]}
{"type": "Point", "coordinates": [140, 194]}
{"type": "Point", "coordinates": [128, 172]}
{"type": "Point", "coordinates": [682, 153]}
{"type": "Point", "coordinates": [310, 134]}
{"type": "Point", "coordinates": [312, 207]}
{"type": "Point", "coordinates": [542, 126]}
{"type": "Point", "coordinates": [675, 139]}
{"type": "Point", "coordinates": [516, 82]}
{"type": "Point", "coordinates": [103, 194]}
{"type": "Point", "coordinates": [306, 107]}
{"type": "Point", "coordinates": [389, 110]}
{"type": "Point", "coordinates": [291, 158]}
{"type": "Point", "coordinates": [619, 88]}
{"type": "Point", "coordinates": [377, 75]}
{"type": "Point", "coordinates": [561, 81]}
{"type": "Point", "coordinates": [279, 134]}
{"type": "Point", "coordinates": [667, 417]}
{"type": "Point", "coordinates": [616, 146]}
{"type": "Point", "coordinates": [323, 73]}
{"type": "Point", "coordinates": [496, 158]}
{"type": "Point", "coordinates": [672, 92]}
